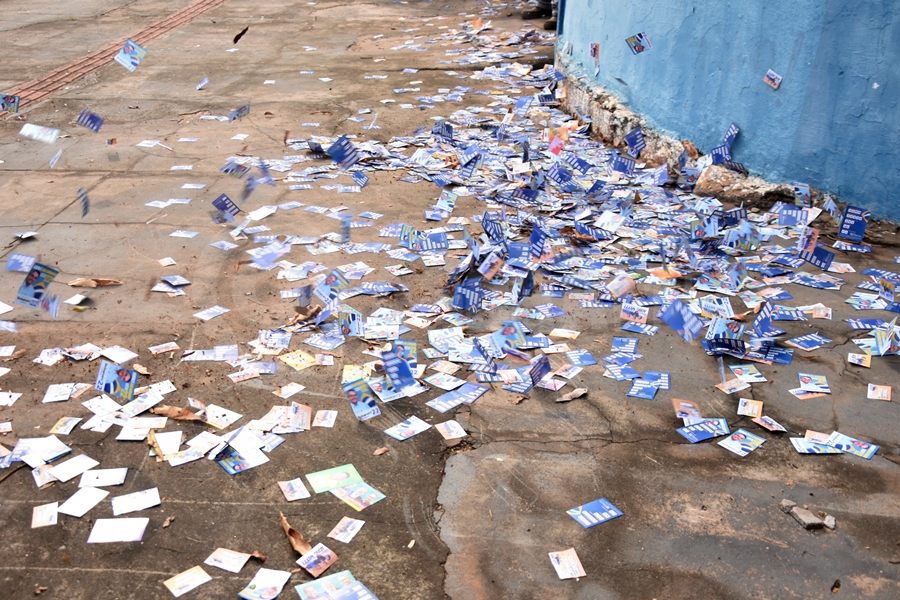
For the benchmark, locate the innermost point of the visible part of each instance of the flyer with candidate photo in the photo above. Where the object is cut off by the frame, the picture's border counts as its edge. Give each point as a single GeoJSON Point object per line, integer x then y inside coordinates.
{"type": "Point", "coordinates": [362, 402]}
{"type": "Point", "coordinates": [131, 55]}
{"type": "Point", "coordinates": [742, 442]}
{"type": "Point", "coordinates": [34, 287]}
{"type": "Point", "coordinates": [116, 381]}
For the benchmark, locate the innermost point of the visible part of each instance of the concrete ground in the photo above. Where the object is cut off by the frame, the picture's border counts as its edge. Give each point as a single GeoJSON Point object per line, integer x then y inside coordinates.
{"type": "Point", "coordinates": [698, 521]}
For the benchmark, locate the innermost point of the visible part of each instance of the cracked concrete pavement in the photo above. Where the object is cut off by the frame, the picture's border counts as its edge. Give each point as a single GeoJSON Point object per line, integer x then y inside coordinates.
{"type": "Point", "coordinates": [698, 521]}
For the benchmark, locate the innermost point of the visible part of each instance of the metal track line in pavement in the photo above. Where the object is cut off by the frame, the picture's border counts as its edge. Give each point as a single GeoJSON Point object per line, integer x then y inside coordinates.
{"type": "Point", "coordinates": [37, 90]}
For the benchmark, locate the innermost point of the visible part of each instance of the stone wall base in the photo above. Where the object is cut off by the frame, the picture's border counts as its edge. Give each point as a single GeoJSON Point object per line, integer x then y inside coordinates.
{"type": "Point", "coordinates": [612, 120]}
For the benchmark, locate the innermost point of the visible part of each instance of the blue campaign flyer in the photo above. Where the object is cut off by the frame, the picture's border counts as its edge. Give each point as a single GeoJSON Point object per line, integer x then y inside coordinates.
{"type": "Point", "coordinates": [131, 55]}
{"type": "Point", "coordinates": [853, 223]}
{"type": "Point", "coordinates": [640, 328]}
{"type": "Point", "coordinates": [685, 323]}
{"type": "Point", "coordinates": [660, 379]}
{"type": "Point", "coordinates": [90, 120]}
{"type": "Point", "coordinates": [581, 358]}
{"type": "Point", "coordinates": [705, 430]}
{"type": "Point", "coordinates": [641, 388]}
{"type": "Point", "coordinates": [116, 381]}
{"type": "Point", "coordinates": [628, 345]}
{"type": "Point", "coordinates": [361, 400]}
{"type": "Point", "coordinates": [593, 513]}
{"type": "Point", "coordinates": [398, 369]}
{"type": "Point", "coordinates": [621, 373]}
{"type": "Point", "coordinates": [33, 288]}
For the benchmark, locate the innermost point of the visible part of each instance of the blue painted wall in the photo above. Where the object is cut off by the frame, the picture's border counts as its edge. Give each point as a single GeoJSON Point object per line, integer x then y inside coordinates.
{"type": "Point", "coordinates": [834, 122]}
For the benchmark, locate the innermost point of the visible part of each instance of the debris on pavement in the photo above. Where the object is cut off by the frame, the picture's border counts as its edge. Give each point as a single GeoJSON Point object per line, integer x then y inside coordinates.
{"type": "Point", "coordinates": [565, 225]}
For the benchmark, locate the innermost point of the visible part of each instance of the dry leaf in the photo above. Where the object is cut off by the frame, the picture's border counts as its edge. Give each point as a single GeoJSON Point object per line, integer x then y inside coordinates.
{"type": "Point", "coordinates": [691, 149]}
{"type": "Point", "coordinates": [151, 439]}
{"type": "Point", "coordinates": [92, 282]}
{"type": "Point", "coordinates": [168, 522]}
{"type": "Point", "coordinates": [411, 543]}
{"type": "Point", "coordinates": [141, 369]}
{"type": "Point", "coordinates": [295, 537]}
{"type": "Point", "coordinates": [304, 314]}
{"type": "Point", "coordinates": [258, 556]}
{"type": "Point", "coordinates": [380, 451]}
{"type": "Point", "coordinates": [517, 399]}
{"type": "Point", "coordinates": [174, 412]}
{"type": "Point", "coordinates": [39, 589]}
{"type": "Point", "coordinates": [578, 393]}
{"type": "Point", "coordinates": [17, 354]}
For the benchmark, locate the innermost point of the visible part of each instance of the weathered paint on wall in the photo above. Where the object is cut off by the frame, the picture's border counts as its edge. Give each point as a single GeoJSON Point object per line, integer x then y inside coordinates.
{"type": "Point", "coordinates": [833, 123]}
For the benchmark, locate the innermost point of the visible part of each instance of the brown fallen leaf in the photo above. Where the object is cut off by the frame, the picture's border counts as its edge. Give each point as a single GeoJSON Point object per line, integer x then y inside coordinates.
{"type": "Point", "coordinates": [380, 451]}
{"type": "Point", "coordinates": [304, 314]}
{"type": "Point", "coordinates": [578, 393]}
{"type": "Point", "coordinates": [92, 282]}
{"type": "Point", "coordinates": [518, 399]}
{"type": "Point", "coordinates": [258, 556]}
{"type": "Point", "coordinates": [151, 439]}
{"type": "Point", "coordinates": [295, 537]}
{"type": "Point", "coordinates": [141, 369]}
{"type": "Point", "coordinates": [175, 412]}
{"type": "Point", "coordinates": [15, 355]}
{"type": "Point", "coordinates": [39, 589]}
{"type": "Point", "coordinates": [168, 521]}
{"type": "Point", "coordinates": [691, 149]}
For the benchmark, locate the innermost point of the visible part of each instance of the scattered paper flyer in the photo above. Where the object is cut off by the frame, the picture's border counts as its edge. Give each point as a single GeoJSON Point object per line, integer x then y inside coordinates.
{"type": "Point", "coordinates": [875, 392]}
{"type": "Point", "coordinates": [325, 418]}
{"type": "Point", "coordinates": [317, 560]}
{"type": "Point", "coordinates": [749, 408]}
{"type": "Point", "coordinates": [294, 489]}
{"type": "Point", "coordinates": [265, 585]}
{"type": "Point", "coordinates": [58, 392]}
{"type": "Point", "coordinates": [566, 564]}
{"type": "Point", "coordinates": [358, 495]}
{"type": "Point", "coordinates": [742, 442]}
{"type": "Point", "coordinates": [732, 386]}
{"type": "Point", "coordinates": [211, 312]}
{"type": "Point", "coordinates": [82, 501]}
{"type": "Point", "coordinates": [850, 445]}
{"type": "Point", "coordinates": [331, 585]}
{"type": "Point", "coordinates": [103, 477]}
{"type": "Point", "coordinates": [136, 501]}
{"type": "Point", "coordinates": [107, 531]}
{"type": "Point", "coordinates": [593, 513]}
{"type": "Point", "coordinates": [747, 373]}
{"type": "Point", "coordinates": [451, 430]}
{"type": "Point", "coordinates": [814, 383]}
{"type": "Point", "coordinates": [44, 515]}
{"type": "Point", "coordinates": [769, 423]}
{"type": "Point", "coordinates": [346, 529]}
{"type": "Point", "coordinates": [73, 467]}
{"type": "Point", "coordinates": [330, 479]}
{"type": "Point", "coordinates": [804, 446]}
{"type": "Point", "coordinates": [227, 560]}
{"type": "Point", "coordinates": [408, 428]}
{"type": "Point", "coordinates": [131, 55]}
{"type": "Point", "coordinates": [186, 581]}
